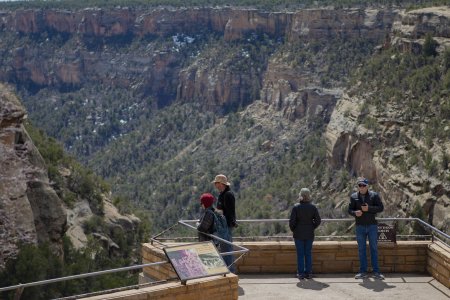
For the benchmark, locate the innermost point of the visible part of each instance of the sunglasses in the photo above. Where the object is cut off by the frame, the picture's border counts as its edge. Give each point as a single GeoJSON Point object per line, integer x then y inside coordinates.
{"type": "Point", "coordinates": [362, 185]}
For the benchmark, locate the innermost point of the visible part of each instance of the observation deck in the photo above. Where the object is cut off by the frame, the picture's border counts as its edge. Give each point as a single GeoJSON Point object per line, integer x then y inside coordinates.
{"type": "Point", "coordinates": [416, 266]}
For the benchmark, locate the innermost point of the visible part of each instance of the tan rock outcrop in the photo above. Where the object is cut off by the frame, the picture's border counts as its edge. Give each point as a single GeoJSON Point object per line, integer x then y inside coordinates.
{"type": "Point", "coordinates": [412, 27]}
{"type": "Point", "coordinates": [81, 213]}
{"type": "Point", "coordinates": [30, 210]}
{"type": "Point", "coordinates": [296, 93]}
{"type": "Point", "coordinates": [417, 23]}
{"type": "Point", "coordinates": [351, 23]}
{"type": "Point", "coordinates": [216, 87]}
{"type": "Point", "coordinates": [352, 146]}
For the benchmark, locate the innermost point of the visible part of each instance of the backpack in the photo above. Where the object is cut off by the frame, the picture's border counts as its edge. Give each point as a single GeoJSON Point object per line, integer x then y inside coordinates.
{"type": "Point", "coordinates": [220, 226]}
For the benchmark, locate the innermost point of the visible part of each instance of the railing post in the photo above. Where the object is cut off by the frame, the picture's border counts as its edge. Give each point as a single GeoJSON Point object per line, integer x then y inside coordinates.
{"type": "Point", "coordinates": [18, 293]}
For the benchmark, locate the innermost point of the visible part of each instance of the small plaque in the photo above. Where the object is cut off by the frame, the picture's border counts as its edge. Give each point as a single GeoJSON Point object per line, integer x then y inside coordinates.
{"type": "Point", "coordinates": [387, 233]}
{"type": "Point", "coordinates": [196, 260]}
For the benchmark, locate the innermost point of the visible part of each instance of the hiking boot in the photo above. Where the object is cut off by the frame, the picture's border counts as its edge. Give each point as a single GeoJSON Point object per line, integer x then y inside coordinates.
{"type": "Point", "coordinates": [378, 276]}
{"type": "Point", "coordinates": [361, 275]}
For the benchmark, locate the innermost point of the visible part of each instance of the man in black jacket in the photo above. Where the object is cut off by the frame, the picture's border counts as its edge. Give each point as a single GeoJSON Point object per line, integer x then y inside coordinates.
{"type": "Point", "coordinates": [303, 221]}
{"type": "Point", "coordinates": [226, 204]}
{"type": "Point", "coordinates": [364, 205]}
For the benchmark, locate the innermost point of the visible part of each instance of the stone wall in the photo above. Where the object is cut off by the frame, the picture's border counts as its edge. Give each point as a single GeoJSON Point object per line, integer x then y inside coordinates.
{"type": "Point", "coordinates": [215, 287]}
{"type": "Point", "coordinates": [153, 253]}
{"type": "Point", "coordinates": [328, 257]}
{"type": "Point", "coordinates": [332, 257]}
{"type": "Point", "coordinates": [438, 262]}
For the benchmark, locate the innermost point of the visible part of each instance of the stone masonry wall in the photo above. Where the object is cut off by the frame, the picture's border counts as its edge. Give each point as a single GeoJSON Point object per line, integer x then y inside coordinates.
{"type": "Point", "coordinates": [328, 257]}
{"type": "Point", "coordinates": [438, 262]}
{"type": "Point", "coordinates": [152, 253]}
{"type": "Point", "coordinates": [215, 287]}
{"type": "Point", "coordinates": [332, 257]}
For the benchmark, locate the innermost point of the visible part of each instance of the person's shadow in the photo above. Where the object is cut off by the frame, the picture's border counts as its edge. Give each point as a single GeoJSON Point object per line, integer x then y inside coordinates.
{"type": "Point", "coordinates": [376, 285]}
{"type": "Point", "coordinates": [311, 284]}
{"type": "Point", "coordinates": [241, 291]}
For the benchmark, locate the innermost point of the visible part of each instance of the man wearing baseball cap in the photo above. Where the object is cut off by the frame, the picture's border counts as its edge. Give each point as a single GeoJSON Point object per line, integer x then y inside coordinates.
{"type": "Point", "coordinates": [226, 204]}
{"type": "Point", "coordinates": [364, 205]}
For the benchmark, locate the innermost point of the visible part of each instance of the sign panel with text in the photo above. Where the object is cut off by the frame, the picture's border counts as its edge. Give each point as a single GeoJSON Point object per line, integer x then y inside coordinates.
{"type": "Point", "coordinates": [196, 260]}
{"type": "Point", "coordinates": [387, 233]}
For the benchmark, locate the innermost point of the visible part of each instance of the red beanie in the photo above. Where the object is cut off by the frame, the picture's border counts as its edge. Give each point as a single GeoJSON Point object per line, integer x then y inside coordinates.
{"type": "Point", "coordinates": [207, 199]}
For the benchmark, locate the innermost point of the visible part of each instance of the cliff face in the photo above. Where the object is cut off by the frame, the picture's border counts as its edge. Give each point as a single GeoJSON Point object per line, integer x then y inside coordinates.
{"type": "Point", "coordinates": [232, 23]}
{"type": "Point", "coordinates": [94, 33]}
{"type": "Point", "coordinates": [368, 153]}
{"type": "Point", "coordinates": [30, 210]}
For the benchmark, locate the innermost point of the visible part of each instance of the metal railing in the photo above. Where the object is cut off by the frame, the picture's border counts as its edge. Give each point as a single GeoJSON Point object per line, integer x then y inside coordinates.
{"type": "Point", "coordinates": [435, 234]}
{"type": "Point", "coordinates": [21, 286]}
{"type": "Point", "coordinates": [242, 250]}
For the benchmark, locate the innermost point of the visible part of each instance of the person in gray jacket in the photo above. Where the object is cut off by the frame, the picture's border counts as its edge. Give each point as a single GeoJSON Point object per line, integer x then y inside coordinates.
{"type": "Point", "coordinates": [303, 221]}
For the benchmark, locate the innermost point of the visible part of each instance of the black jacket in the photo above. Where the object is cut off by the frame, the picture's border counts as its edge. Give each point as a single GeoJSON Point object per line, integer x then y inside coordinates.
{"type": "Point", "coordinates": [375, 206]}
{"type": "Point", "coordinates": [303, 220]}
{"type": "Point", "coordinates": [206, 224]}
{"type": "Point", "coordinates": [226, 202]}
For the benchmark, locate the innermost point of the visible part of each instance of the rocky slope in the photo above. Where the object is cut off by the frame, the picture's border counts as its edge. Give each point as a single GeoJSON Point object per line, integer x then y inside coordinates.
{"type": "Point", "coordinates": [31, 211]}
{"type": "Point", "coordinates": [121, 68]}
{"type": "Point", "coordinates": [371, 153]}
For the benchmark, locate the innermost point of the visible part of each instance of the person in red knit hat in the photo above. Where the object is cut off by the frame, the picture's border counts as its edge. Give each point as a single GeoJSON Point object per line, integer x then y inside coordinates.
{"type": "Point", "coordinates": [206, 222]}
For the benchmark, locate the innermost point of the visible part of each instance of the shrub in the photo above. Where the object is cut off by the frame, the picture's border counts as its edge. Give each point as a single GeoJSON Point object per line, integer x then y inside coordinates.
{"type": "Point", "coordinates": [429, 46]}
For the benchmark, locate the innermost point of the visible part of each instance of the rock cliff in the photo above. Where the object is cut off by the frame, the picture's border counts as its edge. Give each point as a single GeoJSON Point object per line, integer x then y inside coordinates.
{"type": "Point", "coordinates": [367, 153]}
{"type": "Point", "coordinates": [30, 210]}
{"type": "Point", "coordinates": [94, 34]}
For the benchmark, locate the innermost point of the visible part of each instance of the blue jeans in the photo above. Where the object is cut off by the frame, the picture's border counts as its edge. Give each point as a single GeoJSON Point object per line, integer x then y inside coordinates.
{"type": "Point", "coordinates": [228, 248]}
{"type": "Point", "coordinates": [362, 233]}
{"type": "Point", "coordinates": [304, 256]}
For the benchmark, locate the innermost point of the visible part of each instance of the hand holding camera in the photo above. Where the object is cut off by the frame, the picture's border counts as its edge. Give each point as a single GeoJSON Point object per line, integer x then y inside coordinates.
{"type": "Point", "coordinates": [365, 207]}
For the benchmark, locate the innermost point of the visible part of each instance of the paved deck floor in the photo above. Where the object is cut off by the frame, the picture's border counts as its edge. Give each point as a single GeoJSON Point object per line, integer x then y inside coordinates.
{"type": "Point", "coordinates": [341, 286]}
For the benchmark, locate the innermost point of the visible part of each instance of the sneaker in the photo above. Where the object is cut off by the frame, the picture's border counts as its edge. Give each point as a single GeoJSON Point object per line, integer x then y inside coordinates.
{"type": "Point", "coordinates": [301, 276]}
{"type": "Point", "coordinates": [309, 276]}
{"type": "Point", "coordinates": [361, 276]}
{"type": "Point", "coordinates": [378, 276]}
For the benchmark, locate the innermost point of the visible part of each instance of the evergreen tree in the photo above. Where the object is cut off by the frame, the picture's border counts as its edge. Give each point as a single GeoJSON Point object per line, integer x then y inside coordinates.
{"type": "Point", "coordinates": [429, 46]}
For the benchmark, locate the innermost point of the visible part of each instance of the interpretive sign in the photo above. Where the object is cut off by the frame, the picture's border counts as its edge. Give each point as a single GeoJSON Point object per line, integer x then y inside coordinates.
{"type": "Point", "coordinates": [196, 260]}
{"type": "Point", "coordinates": [387, 233]}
